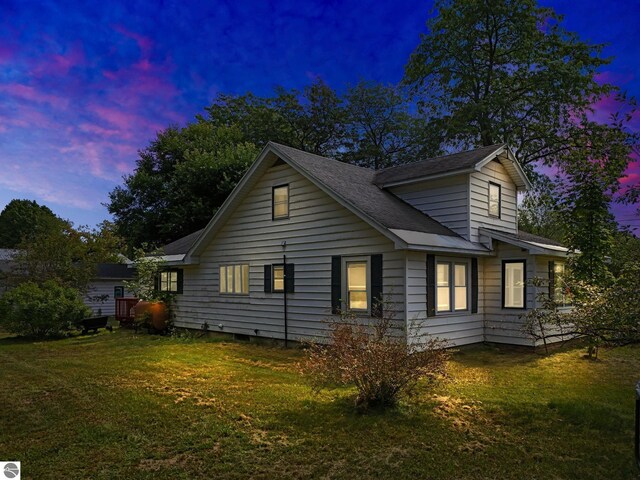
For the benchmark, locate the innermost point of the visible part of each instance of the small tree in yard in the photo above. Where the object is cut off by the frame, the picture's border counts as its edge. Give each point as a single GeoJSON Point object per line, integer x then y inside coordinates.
{"type": "Point", "coordinates": [382, 366]}
{"type": "Point", "coordinates": [604, 315]}
{"type": "Point", "coordinates": [39, 311]}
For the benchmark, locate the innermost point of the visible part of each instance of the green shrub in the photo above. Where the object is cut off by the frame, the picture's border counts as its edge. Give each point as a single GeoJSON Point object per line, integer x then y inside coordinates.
{"type": "Point", "coordinates": [41, 311]}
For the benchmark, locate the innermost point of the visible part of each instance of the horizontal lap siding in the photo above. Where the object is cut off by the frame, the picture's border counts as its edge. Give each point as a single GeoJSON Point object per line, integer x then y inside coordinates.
{"type": "Point", "coordinates": [317, 229]}
{"type": "Point", "coordinates": [479, 204]}
{"type": "Point", "coordinates": [456, 329]}
{"type": "Point", "coordinates": [445, 200]}
{"type": "Point", "coordinates": [505, 325]}
{"type": "Point", "coordinates": [104, 287]}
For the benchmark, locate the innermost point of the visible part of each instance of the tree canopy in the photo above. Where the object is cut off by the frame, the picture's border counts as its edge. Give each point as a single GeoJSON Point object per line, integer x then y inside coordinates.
{"type": "Point", "coordinates": [22, 220]}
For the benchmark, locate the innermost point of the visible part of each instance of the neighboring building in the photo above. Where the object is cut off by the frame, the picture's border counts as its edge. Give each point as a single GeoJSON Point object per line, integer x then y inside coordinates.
{"type": "Point", "coordinates": [107, 286]}
{"type": "Point", "coordinates": [438, 238]}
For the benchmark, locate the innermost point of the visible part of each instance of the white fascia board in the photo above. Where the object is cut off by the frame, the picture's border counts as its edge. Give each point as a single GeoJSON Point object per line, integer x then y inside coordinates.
{"type": "Point", "coordinates": [442, 243]}
{"type": "Point", "coordinates": [534, 248]}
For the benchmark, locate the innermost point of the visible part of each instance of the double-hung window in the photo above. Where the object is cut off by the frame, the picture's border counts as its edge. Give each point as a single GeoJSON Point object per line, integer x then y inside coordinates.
{"type": "Point", "coordinates": [234, 279]}
{"type": "Point", "coordinates": [452, 286]}
{"type": "Point", "coordinates": [560, 295]}
{"type": "Point", "coordinates": [169, 281]}
{"type": "Point", "coordinates": [357, 288]}
{"type": "Point", "coordinates": [280, 202]}
{"type": "Point", "coordinates": [514, 284]}
{"type": "Point", "coordinates": [278, 278]}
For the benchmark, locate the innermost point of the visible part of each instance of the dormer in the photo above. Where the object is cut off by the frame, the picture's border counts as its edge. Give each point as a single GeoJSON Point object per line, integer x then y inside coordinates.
{"type": "Point", "coordinates": [463, 191]}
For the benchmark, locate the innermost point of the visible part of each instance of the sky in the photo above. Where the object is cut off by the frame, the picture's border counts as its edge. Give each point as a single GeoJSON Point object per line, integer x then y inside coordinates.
{"type": "Point", "coordinates": [85, 85]}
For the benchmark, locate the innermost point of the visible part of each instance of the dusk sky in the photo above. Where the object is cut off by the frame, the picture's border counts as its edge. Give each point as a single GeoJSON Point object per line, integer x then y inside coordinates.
{"type": "Point", "coordinates": [84, 85]}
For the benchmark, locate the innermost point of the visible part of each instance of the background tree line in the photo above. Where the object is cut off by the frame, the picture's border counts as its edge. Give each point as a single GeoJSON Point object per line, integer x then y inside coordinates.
{"type": "Point", "coordinates": [495, 71]}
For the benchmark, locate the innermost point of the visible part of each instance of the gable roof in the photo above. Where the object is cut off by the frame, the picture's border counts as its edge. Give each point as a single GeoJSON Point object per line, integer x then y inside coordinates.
{"type": "Point", "coordinates": [356, 186]}
{"type": "Point", "coordinates": [352, 187]}
{"type": "Point", "coordinates": [453, 164]}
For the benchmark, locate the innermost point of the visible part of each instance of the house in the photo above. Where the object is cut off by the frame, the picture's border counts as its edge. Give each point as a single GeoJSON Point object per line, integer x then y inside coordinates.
{"type": "Point", "coordinates": [302, 236]}
{"type": "Point", "coordinates": [107, 285]}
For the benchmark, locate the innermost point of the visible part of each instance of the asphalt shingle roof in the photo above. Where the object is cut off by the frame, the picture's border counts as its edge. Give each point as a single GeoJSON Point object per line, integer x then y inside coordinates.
{"type": "Point", "coordinates": [357, 186]}
{"type": "Point", "coordinates": [182, 245]}
{"type": "Point", "coordinates": [114, 270]}
{"type": "Point", "coordinates": [434, 166]}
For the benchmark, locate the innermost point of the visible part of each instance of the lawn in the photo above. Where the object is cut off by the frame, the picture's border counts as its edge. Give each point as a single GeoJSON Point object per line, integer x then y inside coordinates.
{"type": "Point", "coordinates": [120, 405]}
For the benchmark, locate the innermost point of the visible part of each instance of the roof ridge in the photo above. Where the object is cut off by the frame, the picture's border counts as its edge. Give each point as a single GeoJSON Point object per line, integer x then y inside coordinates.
{"type": "Point", "coordinates": [322, 156]}
{"type": "Point", "coordinates": [495, 145]}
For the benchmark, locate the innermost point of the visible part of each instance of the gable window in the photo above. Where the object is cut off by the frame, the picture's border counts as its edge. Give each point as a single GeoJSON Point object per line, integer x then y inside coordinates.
{"type": "Point", "coordinates": [169, 281]}
{"type": "Point", "coordinates": [234, 279]}
{"type": "Point", "coordinates": [452, 290]}
{"type": "Point", "coordinates": [357, 292]}
{"type": "Point", "coordinates": [513, 283]}
{"type": "Point", "coordinates": [280, 202]}
{"type": "Point", "coordinates": [495, 192]}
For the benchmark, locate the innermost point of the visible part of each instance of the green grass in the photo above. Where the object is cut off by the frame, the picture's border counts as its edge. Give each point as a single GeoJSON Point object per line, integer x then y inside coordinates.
{"type": "Point", "coordinates": [135, 406]}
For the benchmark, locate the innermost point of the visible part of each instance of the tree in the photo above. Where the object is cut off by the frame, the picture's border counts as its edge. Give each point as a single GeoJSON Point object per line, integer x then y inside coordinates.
{"type": "Point", "coordinates": [22, 220]}
{"type": "Point", "coordinates": [180, 181]}
{"type": "Point", "coordinates": [65, 255]}
{"type": "Point", "coordinates": [538, 213]}
{"type": "Point", "coordinates": [381, 131]}
{"type": "Point", "coordinates": [497, 71]}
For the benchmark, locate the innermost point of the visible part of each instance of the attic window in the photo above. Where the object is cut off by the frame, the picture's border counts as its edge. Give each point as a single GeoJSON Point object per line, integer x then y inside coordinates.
{"type": "Point", "coordinates": [280, 202]}
{"type": "Point", "coordinates": [494, 200]}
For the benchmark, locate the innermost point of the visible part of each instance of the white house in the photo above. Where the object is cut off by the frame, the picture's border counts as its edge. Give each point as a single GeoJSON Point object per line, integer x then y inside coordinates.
{"type": "Point", "coordinates": [437, 237]}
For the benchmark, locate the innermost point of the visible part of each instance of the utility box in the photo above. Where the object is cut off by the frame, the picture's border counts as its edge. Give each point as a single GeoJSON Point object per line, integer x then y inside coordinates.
{"type": "Point", "coordinates": [637, 445]}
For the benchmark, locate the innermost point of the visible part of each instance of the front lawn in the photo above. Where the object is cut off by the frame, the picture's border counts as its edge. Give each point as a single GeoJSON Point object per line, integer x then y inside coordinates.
{"type": "Point", "coordinates": [135, 406]}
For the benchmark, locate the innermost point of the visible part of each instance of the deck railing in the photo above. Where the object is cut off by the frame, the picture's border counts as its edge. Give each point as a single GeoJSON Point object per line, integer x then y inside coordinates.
{"type": "Point", "coordinates": [124, 310]}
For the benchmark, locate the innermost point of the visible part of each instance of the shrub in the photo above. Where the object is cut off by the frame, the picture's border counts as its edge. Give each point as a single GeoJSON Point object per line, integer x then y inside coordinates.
{"type": "Point", "coordinates": [41, 311]}
{"type": "Point", "coordinates": [382, 366]}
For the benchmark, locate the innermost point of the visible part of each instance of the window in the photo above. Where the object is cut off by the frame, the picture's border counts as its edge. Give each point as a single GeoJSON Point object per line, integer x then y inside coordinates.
{"type": "Point", "coordinates": [234, 279]}
{"type": "Point", "coordinates": [118, 292]}
{"type": "Point", "coordinates": [560, 294]}
{"type": "Point", "coordinates": [278, 278]}
{"type": "Point", "coordinates": [494, 200]}
{"type": "Point", "coordinates": [169, 281]}
{"type": "Point", "coordinates": [513, 284]}
{"type": "Point", "coordinates": [280, 202]}
{"type": "Point", "coordinates": [357, 296]}
{"type": "Point", "coordinates": [451, 290]}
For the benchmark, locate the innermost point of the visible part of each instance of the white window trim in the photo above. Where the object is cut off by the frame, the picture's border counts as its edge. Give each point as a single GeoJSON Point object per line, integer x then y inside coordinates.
{"type": "Point", "coordinates": [453, 261]}
{"type": "Point", "coordinates": [273, 201]}
{"type": "Point", "coordinates": [345, 284]}
{"type": "Point", "coordinates": [495, 184]}
{"type": "Point", "coordinates": [234, 294]}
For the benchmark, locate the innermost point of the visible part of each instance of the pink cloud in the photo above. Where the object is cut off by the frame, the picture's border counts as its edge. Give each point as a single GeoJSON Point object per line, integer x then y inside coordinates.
{"type": "Point", "coordinates": [26, 92]}
{"type": "Point", "coordinates": [614, 78]}
{"type": "Point", "coordinates": [145, 44]}
{"type": "Point", "coordinates": [58, 65]}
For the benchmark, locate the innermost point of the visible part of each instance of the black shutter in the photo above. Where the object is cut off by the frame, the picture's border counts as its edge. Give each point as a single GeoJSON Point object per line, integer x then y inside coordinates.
{"type": "Point", "coordinates": [377, 302]}
{"type": "Point", "coordinates": [431, 285]}
{"type": "Point", "coordinates": [336, 283]}
{"type": "Point", "coordinates": [474, 285]}
{"type": "Point", "coordinates": [289, 277]}
{"type": "Point", "coordinates": [552, 279]}
{"type": "Point", "coordinates": [180, 280]}
{"type": "Point", "coordinates": [156, 282]}
{"type": "Point", "coordinates": [267, 279]}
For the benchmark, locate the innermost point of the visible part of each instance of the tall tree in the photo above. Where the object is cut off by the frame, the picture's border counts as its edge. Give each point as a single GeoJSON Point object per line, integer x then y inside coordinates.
{"type": "Point", "coordinates": [539, 213]}
{"type": "Point", "coordinates": [494, 71]}
{"type": "Point", "coordinates": [381, 129]}
{"type": "Point", "coordinates": [22, 220]}
{"type": "Point", "coordinates": [180, 181]}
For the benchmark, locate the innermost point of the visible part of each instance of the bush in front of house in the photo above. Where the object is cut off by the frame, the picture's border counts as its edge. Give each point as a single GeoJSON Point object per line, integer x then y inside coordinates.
{"type": "Point", "coordinates": [370, 355]}
{"type": "Point", "coordinates": [40, 311]}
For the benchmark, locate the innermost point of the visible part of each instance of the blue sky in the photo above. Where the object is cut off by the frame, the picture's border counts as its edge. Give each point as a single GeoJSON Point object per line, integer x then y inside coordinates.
{"type": "Point", "coordinates": [84, 85]}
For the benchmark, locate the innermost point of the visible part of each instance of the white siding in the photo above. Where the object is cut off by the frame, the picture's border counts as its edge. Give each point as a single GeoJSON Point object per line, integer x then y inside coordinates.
{"type": "Point", "coordinates": [317, 229]}
{"type": "Point", "coordinates": [446, 200]}
{"type": "Point", "coordinates": [479, 200]}
{"type": "Point", "coordinates": [505, 325]}
{"type": "Point", "coordinates": [103, 287]}
{"type": "Point", "coordinates": [459, 328]}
